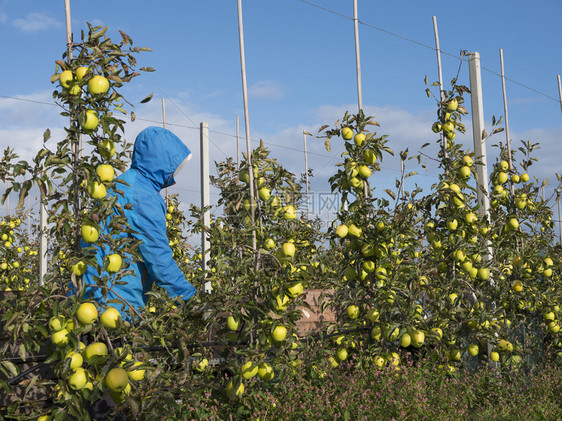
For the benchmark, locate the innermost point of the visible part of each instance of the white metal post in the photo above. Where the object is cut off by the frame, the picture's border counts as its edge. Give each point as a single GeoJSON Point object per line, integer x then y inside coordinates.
{"type": "Point", "coordinates": [559, 213]}
{"type": "Point", "coordinates": [480, 152]}
{"type": "Point", "coordinates": [42, 241]}
{"type": "Point", "coordinates": [29, 218]}
{"type": "Point", "coordinates": [247, 122]}
{"type": "Point", "coordinates": [205, 202]}
{"type": "Point", "coordinates": [440, 74]}
{"type": "Point", "coordinates": [559, 223]}
{"type": "Point", "coordinates": [477, 130]}
{"type": "Point", "coordinates": [357, 56]}
{"type": "Point", "coordinates": [8, 200]}
{"type": "Point", "coordinates": [306, 175]}
{"type": "Point", "coordinates": [506, 119]}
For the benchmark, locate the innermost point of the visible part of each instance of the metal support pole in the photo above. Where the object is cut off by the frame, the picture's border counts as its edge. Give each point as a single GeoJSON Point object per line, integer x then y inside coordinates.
{"type": "Point", "coordinates": [357, 56]}
{"type": "Point", "coordinates": [477, 131]}
{"type": "Point", "coordinates": [238, 142]}
{"type": "Point", "coordinates": [205, 202]}
{"type": "Point", "coordinates": [480, 151]}
{"type": "Point", "coordinates": [42, 241]}
{"type": "Point", "coordinates": [559, 213]}
{"type": "Point", "coordinates": [306, 176]}
{"type": "Point", "coordinates": [28, 218]}
{"type": "Point", "coordinates": [506, 119]}
{"type": "Point", "coordinates": [8, 201]}
{"type": "Point", "coordinates": [247, 124]}
{"type": "Point", "coordinates": [440, 74]}
{"type": "Point", "coordinates": [559, 223]}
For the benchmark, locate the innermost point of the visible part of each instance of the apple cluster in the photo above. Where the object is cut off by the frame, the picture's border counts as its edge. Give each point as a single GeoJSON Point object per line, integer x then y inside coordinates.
{"type": "Point", "coordinates": [17, 263]}
{"type": "Point", "coordinates": [83, 366]}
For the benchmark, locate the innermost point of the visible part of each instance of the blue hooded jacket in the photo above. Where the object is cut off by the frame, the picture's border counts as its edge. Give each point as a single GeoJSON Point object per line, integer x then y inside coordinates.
{"type": "Point", "coordinates": [158, 155]}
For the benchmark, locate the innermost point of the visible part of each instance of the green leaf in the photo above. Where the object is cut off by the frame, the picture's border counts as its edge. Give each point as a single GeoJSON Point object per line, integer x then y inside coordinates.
{"type": "Point", "coordinates": [12, 369]}
{"type": "Point", "coordinates": [22, 352]}
{"type": "Point", "coordinates": [147, 69]}
{"type": "Point", "coordinates": [390, 193]}
{"type": "Point", "coordinates": [46, 135]}
{"type": "Point", "coordinates": [99, 33]}
{"type": "Point", "coordinates": [146, 99]}
{"type": "Point", "coordinates": [327, 144]}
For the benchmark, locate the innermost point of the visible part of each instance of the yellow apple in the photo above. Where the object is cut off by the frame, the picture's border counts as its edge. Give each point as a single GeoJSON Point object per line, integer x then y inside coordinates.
{"type": "Point", "coordinates": [57, 323]}
{"type": "Point", "coordinates": [364, 171]}
{"type": "Point", "coordinates": [87, 313]}
{"type": "Point", "coordinates": [359, 138]}
{"type": "Point", "coordinates": [110, 318]}
{"type": "Point", "coordinates": [232, 393]}
{"type": "Point", "coordinates": [354, 231]}
{"type": "Point", "coordinates": [249, 370]}
{"type": "Point", "coordinates": [341, 354]}
{"type": "Point", "coordinates": [279, 333]}
{"type": "Point", "coordinates": [295, 290]}
{"type": "Point", "coordinates": [405, 340]}
{"type": "Point", "coordinates": [97, 190]}
{"type": "Point", "coordinates": [281, 303]}
{"type": "Point", "coordinates": [232, 323]}
{"type": "Point", "coordinates": [199, 366]}
{"type": "Point", "coordinates": [66, 79]}
{"type": "Point", "coordinates": [105, 172]}
{"type": "Point", "coordinates": [91, 121]}
{"type": "Point", "coordinates": [372, 315]}
{"type": "Point", "coordinates": [265, 372]}
{"type": "Point", "coordinates": [353, 312]}
{"type": "Point", "coordinates": [79, 268]}
{"type": "Point", "coordinates": [115, 262]}
{"type": "Point", "coordinates": [341, 231]}
{"type": "Point", "coordinates": [76, 359]}
{"type": "Point", "coordinates": [464, 172]}
{"type": "Point", "coordinates": [517, 286]}
{"type": "Point", "coordinates": [347, 133]}
{"type": "Point", "coordinates": [78, 379]}
{"type": "Point", "coordinates": [376, 333]}
{"type": "Point", "coordinates": [96, 349]}
{"type": "Point", "coordinates": [288, 249]}
{"type": "Point", "coordinates": [81, 72]}
{"type": "Point", "coordinates": [452, 104]}
{"type": "Point", "coordinates": [289, 212]}
{"type": "Point", "coordinates": [138, 373]}
{"type": "Point", "coordinates": [60, 338]}
{"type": "Point", "coordinates": [117, 379]}
{"type": "Point", "coordinates": [264, 193]}
{"type": "Point", "coordinates": [370, 157]}
{"type": "Point", "coordinates": [418, 338]}
{"type": "Point", "coordinates": [473, 349]}
{"type": "Point", "coordinates": [106, 148]}
{"type": "Point", "coordinates": [90, 233]}
{"type": "Point", "coordinates": [98, 85]}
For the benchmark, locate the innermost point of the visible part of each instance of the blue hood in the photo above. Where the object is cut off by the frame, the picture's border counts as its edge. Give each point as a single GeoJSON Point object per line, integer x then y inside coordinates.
{"type": "Point", "coordinates": [158, 155]}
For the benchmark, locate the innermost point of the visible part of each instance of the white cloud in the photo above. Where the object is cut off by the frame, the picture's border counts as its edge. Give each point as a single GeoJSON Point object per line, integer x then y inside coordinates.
{"type": "Point", "coordinates": [35, 22]}
{"type": "Point", "coordinates": [3, 17]}
{"type": "Point", "coordinates": [266, 89]}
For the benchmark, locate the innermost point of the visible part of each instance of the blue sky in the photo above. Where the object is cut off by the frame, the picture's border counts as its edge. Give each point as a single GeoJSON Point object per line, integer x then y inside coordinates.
{"type": "Point", "coordinates": [300, 63]}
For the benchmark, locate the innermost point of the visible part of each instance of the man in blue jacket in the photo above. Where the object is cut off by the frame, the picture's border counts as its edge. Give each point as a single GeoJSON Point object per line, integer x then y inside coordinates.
{"type": "Point", "coordinates": [158, 155]}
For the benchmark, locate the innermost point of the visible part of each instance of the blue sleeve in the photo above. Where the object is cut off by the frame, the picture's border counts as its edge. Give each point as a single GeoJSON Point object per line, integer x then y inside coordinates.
{"type": "Point", "coordinates": [156, 252]}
